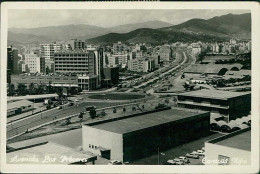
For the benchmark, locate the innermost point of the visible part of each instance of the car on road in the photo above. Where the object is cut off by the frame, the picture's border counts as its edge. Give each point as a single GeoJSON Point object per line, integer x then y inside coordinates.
{"type": "Point", "coordinates": [191, 155]}
{"type": "Point", "coordinates": [179, 161]}
{"type": "Point", "coordinates": [115, 162]}
{"type": "Point", "coordinates": [71, 104]}
{"type": "Point", "coordinates": [169, 162]}
{"type": "Point", "coordinates": [59, 107]}
{"type": "Point", "coordinates": [76, 100]}
{"type": "Point", "coordinates": [184, 159]}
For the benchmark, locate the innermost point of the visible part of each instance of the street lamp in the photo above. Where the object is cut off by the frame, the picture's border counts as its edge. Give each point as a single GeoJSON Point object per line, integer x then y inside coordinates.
{"type": "Point", "coordinates": [159, 155]}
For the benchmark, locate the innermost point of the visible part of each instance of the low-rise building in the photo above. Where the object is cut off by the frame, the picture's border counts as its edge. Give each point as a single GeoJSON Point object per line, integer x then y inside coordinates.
{"type": "Point", "coordinates": [137, 136]}
{"type": "Point", "coordinates": [141, 65]}
{"type": "Point", "coordinates": [18, 107]}
{"type": "Point", "coordinates": [230, 149]}
{"type": "Point", "coordinates": [230, 105]}
{"type": "Point", "coordinates": [55, 80]}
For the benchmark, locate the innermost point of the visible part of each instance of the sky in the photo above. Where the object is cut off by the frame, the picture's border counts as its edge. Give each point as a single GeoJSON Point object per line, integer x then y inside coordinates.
{"type": "Point", "coordinates": [35, 18]}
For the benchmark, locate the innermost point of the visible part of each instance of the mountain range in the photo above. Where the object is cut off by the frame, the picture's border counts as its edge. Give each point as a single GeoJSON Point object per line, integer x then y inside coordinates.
{"type": "Point", "coordinates": [215, 29]}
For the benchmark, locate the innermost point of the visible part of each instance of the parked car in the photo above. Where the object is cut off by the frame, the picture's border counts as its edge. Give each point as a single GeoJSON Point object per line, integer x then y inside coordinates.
{"type": "Point", "coordinates": [115, 162]}
{"type": "Point", "coordinates": [203, 149]}
{"type": "Point", "coordinates": [201, 152]}
{"type": "Point", "coordinates": [59, 107]}
{"type": "Point", "coordinates": [170, 162]}
{"type": "Point", "coordinates": [178, 161]}
{"type": "Point", "coordinates": [184, 159]}
{"type": "Point", "coordinates": [76, 100]}
{"type": "Point", "coordinates": [194, 156]}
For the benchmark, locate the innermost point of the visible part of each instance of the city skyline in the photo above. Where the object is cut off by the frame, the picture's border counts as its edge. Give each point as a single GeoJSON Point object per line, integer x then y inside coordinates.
{"type": "Point", "coordinates": [44, 18]}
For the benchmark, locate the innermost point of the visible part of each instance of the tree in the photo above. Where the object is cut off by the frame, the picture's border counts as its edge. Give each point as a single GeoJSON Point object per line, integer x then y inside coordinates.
{"type": "Point", "coordinates": [31, 88]}
{"type": "Point", "coordinates": [124, 109]}
{"type": "Point", "coordinates": [21, 89]}
{"type": "Point", "coordinates": [133, 108]}
{"type": "Point", "coordinates": [11, 89]}
{"type": "Point", "coordinates": [68, 120]}
{"type": "Point", "coordinates": [48, 70]}
{"type": "Point", "coordinates": [39, 89]}
{"type": "Point", "coordinates": [114, 110]}
{"type": "Point", "coordinates": [167, 101]}
{"type": "Point", "coordinates": [103, 113]}
{"type": "Point", "coordinates": [92, 113]}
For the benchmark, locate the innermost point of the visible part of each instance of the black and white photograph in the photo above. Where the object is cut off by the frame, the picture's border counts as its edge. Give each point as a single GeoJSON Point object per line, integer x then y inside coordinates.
{"type": "Point", "coordinates": [131, 86]}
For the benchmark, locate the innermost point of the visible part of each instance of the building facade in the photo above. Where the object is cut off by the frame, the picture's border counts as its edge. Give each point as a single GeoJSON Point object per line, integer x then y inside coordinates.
{"type": "Point", "coordinates": [34, 63]}
{"type": "Point", "coordinates": [230, 105]}
{"type": "Point", "coordinates": [135, 137]}
{"type": "Point", "coordinates": [58, 81]}
{"type": "Point", "coordinates": [230, 149]}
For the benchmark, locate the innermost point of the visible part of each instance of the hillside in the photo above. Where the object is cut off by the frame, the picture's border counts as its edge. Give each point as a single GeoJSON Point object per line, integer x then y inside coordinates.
{"type": "Point", "coordinates": [131, 27]}
{"type": "Point", "coordinates": [154, 36]}
{"type": "Point", "coordinates": [229, 25]}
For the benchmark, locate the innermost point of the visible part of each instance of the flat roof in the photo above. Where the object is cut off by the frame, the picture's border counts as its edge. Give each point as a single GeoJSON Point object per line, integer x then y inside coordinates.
{"type": "Point", "coordinates": [30, 97]}
{"type": "Point", "coordinates": [215, 94]}
{"type": "Point", "coordinates": [37, 154]}
{"type": "Point", "coordinates": [145, 121]}
{"type": "Point", "coordinates": [239, 141]}
{"type": "Point", "coordinates": [18, 104]}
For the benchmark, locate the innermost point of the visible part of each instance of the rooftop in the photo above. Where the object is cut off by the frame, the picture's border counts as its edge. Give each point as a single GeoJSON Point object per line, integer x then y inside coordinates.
{"type": "Point", "coordinates": [18, 104]}
{"type": "Point", "coordinates": [145, 121]}
{"type": "Point", "coordinates": [37, 154]}
{"type": "Point", "coordinates": [30, 97]}
{"type": "Point", "coordinates": [239, 140]}
{"type": "Point", "coordinates": [215, 94]}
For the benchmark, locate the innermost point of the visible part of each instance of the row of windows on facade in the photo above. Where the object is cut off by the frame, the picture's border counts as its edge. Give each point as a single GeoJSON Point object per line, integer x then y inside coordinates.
{"type": "Point", "coordinates": [196, 99]}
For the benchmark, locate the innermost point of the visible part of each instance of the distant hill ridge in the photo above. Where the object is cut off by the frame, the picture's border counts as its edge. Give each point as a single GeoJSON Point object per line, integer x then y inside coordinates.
{"type": "Point", "coordinates": [215, 29]}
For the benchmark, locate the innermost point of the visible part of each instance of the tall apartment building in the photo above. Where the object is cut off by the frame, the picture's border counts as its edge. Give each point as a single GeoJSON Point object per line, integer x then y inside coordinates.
{"type": "Point", "coordinates": [47, 52]}
{"type": "Point", "coordinates": [34, 63]}
{"type": "Point", "coordinates": [141, 65]}
{"type": "Point", "coordinates": [12, 62]}
{"type": "Point", "coordinates": [118, 59]}
{"type": "Point", "coordinates": [165, 53]}
{"type": "Point", "coordinates": [119, 48]}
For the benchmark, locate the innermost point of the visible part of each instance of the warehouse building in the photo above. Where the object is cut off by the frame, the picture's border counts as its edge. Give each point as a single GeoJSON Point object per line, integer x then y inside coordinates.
{"type": "Point", "coordinates": [230, 105]}
{"type": "Point", "coordinates": [135, 137]}
{"type": "Point", "coordinates": [230, 149]}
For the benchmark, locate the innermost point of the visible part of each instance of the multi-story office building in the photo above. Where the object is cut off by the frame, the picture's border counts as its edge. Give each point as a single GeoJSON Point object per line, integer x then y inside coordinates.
{"type": "Point", "coordinates": [80, 62]}
{"type": "Point", "coordinates": [230, 105]}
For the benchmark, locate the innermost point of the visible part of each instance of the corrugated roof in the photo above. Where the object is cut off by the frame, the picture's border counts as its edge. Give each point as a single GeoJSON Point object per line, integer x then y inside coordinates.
{"type": "Point", "coordinates": [18, 104]}
{"type": "Point", "coordinates": [210, 68]}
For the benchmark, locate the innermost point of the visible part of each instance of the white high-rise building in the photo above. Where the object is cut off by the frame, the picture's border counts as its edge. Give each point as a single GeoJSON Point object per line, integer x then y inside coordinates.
{"type": "Point", "coordinates": [33, 62]}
